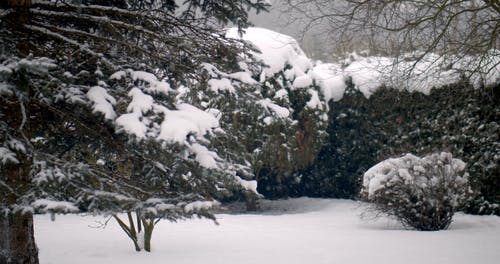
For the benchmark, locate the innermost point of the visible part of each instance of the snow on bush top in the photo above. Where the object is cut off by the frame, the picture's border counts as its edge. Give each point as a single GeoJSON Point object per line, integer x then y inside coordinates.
{"type": "Point", "coordinates": [413, 170]}
{"type": "Point", "coordinates": [370, 73]}
{"type": "Point", "coordinates": [367, 73]}
{"type": "Point", "coordinates": [385, 171]}
{"type": "Point", "coordinates": [277, 51]}
{"type": "Point", "coordinates": [330, 79]}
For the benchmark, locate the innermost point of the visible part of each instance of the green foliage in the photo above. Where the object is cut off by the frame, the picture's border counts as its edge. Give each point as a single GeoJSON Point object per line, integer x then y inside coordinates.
{"type": "Point", "coordinates": [54, 53]}
{"type": "Point", "coordinates": [361, 132]}
{"type": "Point", "coordinates": [59, 154]}
{"type": "Point", "coordinates": [349, 151]}
{"type": "Point", "coordinates": [271, 145]}
{"type": "Point", "coordinates": [298, 142]}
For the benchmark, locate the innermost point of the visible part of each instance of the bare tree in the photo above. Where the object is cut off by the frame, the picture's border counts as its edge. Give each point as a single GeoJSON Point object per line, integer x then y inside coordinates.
{"type": "Point", "coordinates": [450, 28]}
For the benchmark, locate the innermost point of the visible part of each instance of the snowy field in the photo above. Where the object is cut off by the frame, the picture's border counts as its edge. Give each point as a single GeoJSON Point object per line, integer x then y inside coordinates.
{"type": "Point", "coordinates": [293, 231]}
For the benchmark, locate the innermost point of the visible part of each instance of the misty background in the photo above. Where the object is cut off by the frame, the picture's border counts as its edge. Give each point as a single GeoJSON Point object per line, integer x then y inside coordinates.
{"type": "Point", "coordinates": [313, 41]}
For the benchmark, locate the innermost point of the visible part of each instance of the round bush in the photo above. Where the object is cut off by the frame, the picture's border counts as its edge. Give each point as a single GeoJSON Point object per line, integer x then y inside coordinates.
{"type": "Point", "coordinates": [422, 193]}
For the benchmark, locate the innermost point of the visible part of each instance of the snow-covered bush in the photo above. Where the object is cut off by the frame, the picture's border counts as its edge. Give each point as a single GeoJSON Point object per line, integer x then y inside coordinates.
{"type": "Point", "coordinates": [422, 193]}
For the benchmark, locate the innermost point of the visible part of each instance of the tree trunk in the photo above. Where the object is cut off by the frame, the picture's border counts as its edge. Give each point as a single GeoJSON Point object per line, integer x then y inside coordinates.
{"type": "Point", "coordinates": [17, 239]}
{"type": "Point", "coordinates": [251, 202]}
{"type": "Point", "coordinates": [17, 242]}
{"type": "Point", "coordinates": [141, 237]}
{"type": "Point", "coordinates": [19, 3]}
{"type": "Point", "coordinates": [130, 229]}
{"type": "Point", "coordinates": [148, 225]}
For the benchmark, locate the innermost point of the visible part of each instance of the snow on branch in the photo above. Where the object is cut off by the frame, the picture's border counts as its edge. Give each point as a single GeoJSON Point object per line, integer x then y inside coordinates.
{"type": "Point", "coordinates": [7, 156]}
{"type": "Point", "coordinates": [195, 207]}
{"type": "Point", "coordinates": [186, 120]}
{"type": "Point", "coordinates": [102, 102]}
{"type": "Point", "coordinates": [51, 206]}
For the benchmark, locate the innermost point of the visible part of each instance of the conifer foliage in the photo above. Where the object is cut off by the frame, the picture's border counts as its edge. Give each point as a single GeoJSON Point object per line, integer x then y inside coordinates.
{"type": "Point", "coordinates": [89, 118]}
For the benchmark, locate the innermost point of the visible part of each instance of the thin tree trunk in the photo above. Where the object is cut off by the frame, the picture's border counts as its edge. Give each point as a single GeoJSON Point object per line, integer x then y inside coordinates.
{"type": "Point", "coordinates": [149, 225]}
{"type": "Point", "coordinates": [142, 236]}
{"type": "Point", "coordinates": [128, 230]}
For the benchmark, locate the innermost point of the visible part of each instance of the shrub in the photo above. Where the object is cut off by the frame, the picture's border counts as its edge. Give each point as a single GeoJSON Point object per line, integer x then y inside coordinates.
{"type": "Point", "coordinates": [422, 193]}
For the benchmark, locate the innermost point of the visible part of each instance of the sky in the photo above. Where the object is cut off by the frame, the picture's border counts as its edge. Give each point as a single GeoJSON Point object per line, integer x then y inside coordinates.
{"type": "Point", "coordinates": [313, 43]}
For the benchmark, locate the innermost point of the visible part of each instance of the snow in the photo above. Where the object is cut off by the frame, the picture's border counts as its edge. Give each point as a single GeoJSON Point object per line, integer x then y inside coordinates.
{"type": "Point", "coordinates": [131, 123]}
{"type": "Point", "coordinates": [331, 83]}
{"type": "Point", "coordinates": [279, 111]}
{"type": "Point", "coordinates": [375, 178]}
{"type": "Point", "coordinates": [199, 206]}
{"type": "Point", "coordinates": [17, 145]}
{"type": "Point", "coordinates": [367, 74]}
{"type": "Point", "coordinates": [46, 205]}
{"type": "Point", "coordinates": [223, 84]}
{"type": "Point", "coordinates": [102, 102]}
{"type": "Point", "coordinates": [47, 173]}
{"type": "Point", "coordinates": [141, 102]}
{"type": "Point", "coordinates": [295, 231]}
{"type": "Point", "coordinates": [244, 77]}
{"type": "Point", "coordinates": [5, 89]}
{"type": "Point", "coordinates": [281, 93]}
{"type": "Point", "coordinates": [7, 156]}
{"type": "Point", "coordinates": [370, 73]}
{"type": "Point", "coordinates": [176, 125]}
{"type": "Point", "coordinates": [35, 65]}
{"type": "Point", "coordinates": [393, 169]}
{"type": "Point", "coordinates": [72, 95]}
{"type": "Point", "coordinates": [277, 51]}
{"type": "Point", "coordinates": [188, 119]}
{"type": "Point", "coordinates": [412, 72]}
{"type": "Point", "coordinates": [204, 157]}
{"type": "Point", "coordinates": [118, 75]}
{"type": "Point", "coordinates": [314, 102]}
{"type": "Point", "coordinates": [248, 185]}
{"type": "Point", "coordinates": [303, 81]}
{"type": "Point", "coordinates": [155, 86]}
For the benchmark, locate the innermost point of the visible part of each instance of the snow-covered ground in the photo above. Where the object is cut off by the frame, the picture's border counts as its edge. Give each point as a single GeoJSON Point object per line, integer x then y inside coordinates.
{"type": "Point", "coordinates": [292, 231]}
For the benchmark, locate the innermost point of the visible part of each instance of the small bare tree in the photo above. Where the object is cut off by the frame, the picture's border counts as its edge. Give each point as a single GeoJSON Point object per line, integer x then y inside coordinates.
{"type": "Point", "coordinates": [450, 28]}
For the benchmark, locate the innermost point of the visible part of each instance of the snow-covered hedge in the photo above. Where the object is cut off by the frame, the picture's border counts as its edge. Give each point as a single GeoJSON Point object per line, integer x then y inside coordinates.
{"type": "Point", "coordinates": [369, 73]}
{"type": "Point", "coordinates": [422, 193]}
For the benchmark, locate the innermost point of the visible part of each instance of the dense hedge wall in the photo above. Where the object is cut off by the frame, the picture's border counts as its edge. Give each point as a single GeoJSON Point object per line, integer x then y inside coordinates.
{"type": "Point", "coordinates": [457, 118]}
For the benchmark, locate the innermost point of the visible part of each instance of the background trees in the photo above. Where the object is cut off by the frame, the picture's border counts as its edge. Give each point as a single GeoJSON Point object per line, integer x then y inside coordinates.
{"type": "Point", "coordinates": [450, 28]}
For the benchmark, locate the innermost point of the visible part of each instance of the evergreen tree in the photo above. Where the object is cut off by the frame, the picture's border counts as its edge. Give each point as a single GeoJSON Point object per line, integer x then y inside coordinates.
{"type": "Point", "coordinates": [272, 126]}
{"type": "Point", "coordinates": [89, 120]}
